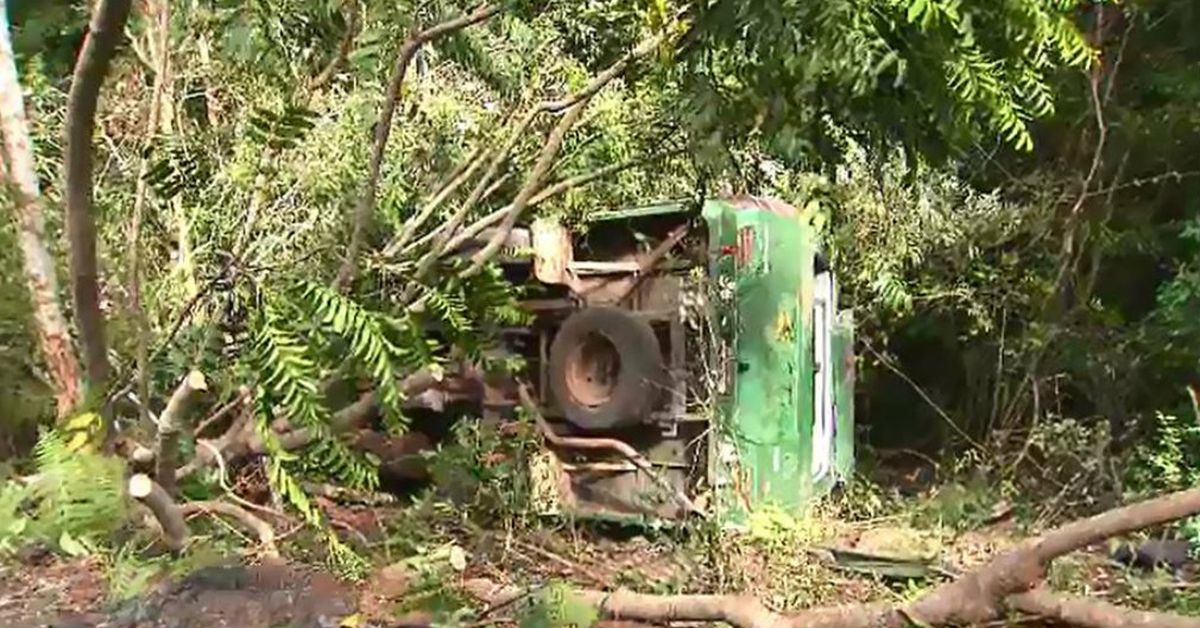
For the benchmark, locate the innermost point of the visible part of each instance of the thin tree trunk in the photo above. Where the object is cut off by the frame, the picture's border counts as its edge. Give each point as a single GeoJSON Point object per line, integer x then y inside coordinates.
{"type": "Point", "coordinates": [50, 326]}
{"type": "Point", "coordinates": [141, 195]}
{"type": "Point", "coordinates": [105, 31]}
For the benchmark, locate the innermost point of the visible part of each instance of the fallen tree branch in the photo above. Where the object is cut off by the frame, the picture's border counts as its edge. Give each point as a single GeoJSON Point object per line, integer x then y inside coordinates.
{"type": "Point", "coordinates": [438, 248]}
{"type": "Point", "coordinates": [1094, 613]}
{"type": "Point", "coordinates": [533, 183]}
{"type": "Point", "coordinates": [550, 191]}
{"type": "Point", "coordinates": [264, 531]}
{"type": "Point", "coordinates": [148, 492]}
{"type": "Point", "coordinates": [169, 424]}
{"type": "Point", "coordinates": [242, 395]}
{"type": "Point", "coordinates": [574, 106]}
{"type": "Point", "coordinates": [1007, 582]}
{"type": "Point", "coordinates": [242, 439]}
{"type": "Point", "coordinates": [457, 178]}
{"type": "Point", "coordinates": [236, 442]}
{"type": "Point", "coordinates": [607, 444]}
{"type": "Point", "coordinates": [383, 130]}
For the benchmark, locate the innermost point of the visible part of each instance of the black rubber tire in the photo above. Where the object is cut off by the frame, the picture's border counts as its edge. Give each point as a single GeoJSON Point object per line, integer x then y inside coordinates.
{"type": "Point", "coordinates": [641, 377]}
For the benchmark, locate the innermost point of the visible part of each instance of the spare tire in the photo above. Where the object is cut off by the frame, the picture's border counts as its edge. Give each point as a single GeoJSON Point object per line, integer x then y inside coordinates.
{"type": "Point", "coordinates": [606, 368]}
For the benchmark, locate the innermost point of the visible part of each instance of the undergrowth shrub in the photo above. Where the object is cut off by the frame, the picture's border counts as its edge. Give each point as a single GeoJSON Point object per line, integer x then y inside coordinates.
{"type": "Point", "coordinates": [1170, 461]}
{"type": "Point", "coordinates": [74, 501]}
{"type": "Point", "coordinates": [484, 469]}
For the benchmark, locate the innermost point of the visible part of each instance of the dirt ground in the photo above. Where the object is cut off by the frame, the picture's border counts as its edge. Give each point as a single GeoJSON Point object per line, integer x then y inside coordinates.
{"type": "Point", "coordinates": [45, 590]}
{"type": "Point", "coordinates": [72, 594]}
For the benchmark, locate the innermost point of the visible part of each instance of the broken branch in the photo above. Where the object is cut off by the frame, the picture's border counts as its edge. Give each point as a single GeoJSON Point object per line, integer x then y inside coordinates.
{"type": "Point", "coordinates": [1007, 581]}
{"type": "Point", "coordinates": [559, 187]}
{"type": "Point", "coordinates": [148, 492]}
{"type": "Point", "coordinates": [460, 175]}
{"type": "Point", "coordinates": [575, 106]}
{"type": "Point", "coordinates": [222, 412]}
{"type": "Point", "coordinates": [383, 130]}
{"type": "Point", "coordinates": [169, 424]}
{"type": "Point", "coordinates": [262, 529]}
{"type": "Point", "coordinates": [1094, 613]}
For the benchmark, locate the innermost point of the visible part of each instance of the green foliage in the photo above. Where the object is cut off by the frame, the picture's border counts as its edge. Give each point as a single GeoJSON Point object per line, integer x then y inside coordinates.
{"type": "Point", "coordinates": [289, 380]}
{"type": "Point", "coordinates": [484, 471]}
{"type": "Point", "coordinates": [175, 170]}
{"type": "Point", "coordinates": [75, 500]}
{"type": "Point", "coordinates": [469, 311]}
{"type": "Point", "coordinates": [365, 335]}
{"type": "Point", "coordinates": [929, 74]}
{"type": "Point", "coordinates": [558, 606]}
{"type": "Point", "coordinates": [1168, 462]}
{"type": "Point", "coordinates": [280, 130]}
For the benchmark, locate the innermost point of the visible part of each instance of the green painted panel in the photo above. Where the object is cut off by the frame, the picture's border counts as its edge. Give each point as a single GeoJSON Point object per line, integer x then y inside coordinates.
{"type": "Point", "coordinates": [763, 454]}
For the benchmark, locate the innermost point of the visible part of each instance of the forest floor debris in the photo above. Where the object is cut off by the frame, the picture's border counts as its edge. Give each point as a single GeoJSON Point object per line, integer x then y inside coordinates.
{"type": "Point", "coordinates": [779, 562]}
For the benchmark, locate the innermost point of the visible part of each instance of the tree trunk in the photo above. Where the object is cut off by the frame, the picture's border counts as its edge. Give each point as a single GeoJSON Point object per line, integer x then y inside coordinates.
{"type": "Point", "coordinates": [50, 326]}
{"type": "Point", "coordinates": [159, 38]}
{"type": "Point", "coordinates": [105, 31]}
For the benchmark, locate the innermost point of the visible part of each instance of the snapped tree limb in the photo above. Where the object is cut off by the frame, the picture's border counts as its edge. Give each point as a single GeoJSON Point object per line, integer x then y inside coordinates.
{"type": "Point", "coordinates": [574, 106]}
{"type": "Point", "coordinates": [460, 175]}
{"type": "Point", "coordinates": [170, 422]}
{"type": "Point", "coordinates": [479, 226]}
{"type": "Point", "coordinates": [383, 130]}
{"type": "Point", "coordinates": [148, 492]}
{"type": "Point", "coordinates": [1007, 582]}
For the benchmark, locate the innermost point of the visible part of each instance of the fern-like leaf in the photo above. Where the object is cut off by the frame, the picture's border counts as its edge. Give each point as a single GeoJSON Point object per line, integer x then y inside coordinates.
{"type": "Point", "coordinates": [364, 333]}
{"type": "Point", "coordinates": [288, 382]}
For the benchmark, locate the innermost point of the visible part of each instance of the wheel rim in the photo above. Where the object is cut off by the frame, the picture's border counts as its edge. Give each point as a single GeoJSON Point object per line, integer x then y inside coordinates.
{"type": "Point", "coordinates": [592, 369]}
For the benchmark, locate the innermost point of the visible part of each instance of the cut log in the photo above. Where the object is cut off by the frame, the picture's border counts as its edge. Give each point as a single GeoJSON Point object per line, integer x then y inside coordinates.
{"type": "Point", "coordinates": [144, 489]}
{"type": "Point", "coordinates": [170, 423]}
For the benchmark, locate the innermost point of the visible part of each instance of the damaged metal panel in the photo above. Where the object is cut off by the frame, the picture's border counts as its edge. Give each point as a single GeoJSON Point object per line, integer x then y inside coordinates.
{"type": "Point", "coordinates": [767, 428]}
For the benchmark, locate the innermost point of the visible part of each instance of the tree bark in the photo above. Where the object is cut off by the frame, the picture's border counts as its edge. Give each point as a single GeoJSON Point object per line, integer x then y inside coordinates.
{"type": "Point", "coordinates": [383, 131]}
{"type": "Point", "coordinates": [148, 492]}
{"type": "Point", "coordinates": [170, 423]}
{"type": "Point", "coordinates": [1008, 581]}
{"type": "Point", "coordinates": [105, 31]}
{"type": "Point", "coordinates": [49, 324]}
